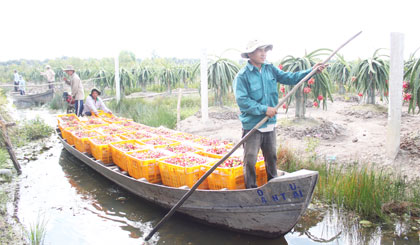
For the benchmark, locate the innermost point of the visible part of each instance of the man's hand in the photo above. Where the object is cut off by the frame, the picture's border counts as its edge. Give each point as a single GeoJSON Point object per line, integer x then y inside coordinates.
{"type": "Point", "coordinates": [110, 112]}
{"type": "Point", "coordinates": [65, 79]}
{"type": "Point", "coordinates": [271, 112]}
{"type": "Point", "coordinates": [319, 67]}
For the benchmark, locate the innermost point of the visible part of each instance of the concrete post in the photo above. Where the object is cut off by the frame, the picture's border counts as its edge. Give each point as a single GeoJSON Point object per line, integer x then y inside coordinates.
{"type": "Point", "coordinates": [117, 77]}
{"type": "Point", "coordinates": [395, 94]}
{"type": "Point", "coordinates": [204, 88]}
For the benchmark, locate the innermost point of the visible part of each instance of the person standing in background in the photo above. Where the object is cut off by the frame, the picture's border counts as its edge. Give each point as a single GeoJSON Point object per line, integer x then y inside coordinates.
{"type": "Point", "coordinates": [16, 79]}
{"type": "Point", "coordinates": [77, 92]}
{"type": "Point", "coordinates": [49, 74]}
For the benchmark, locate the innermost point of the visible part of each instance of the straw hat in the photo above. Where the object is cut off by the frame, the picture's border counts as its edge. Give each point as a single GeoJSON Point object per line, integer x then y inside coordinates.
{"type": "Point", "coordinates": [95, 89]}
{"type": "Point", "coordinates": [254, 45]}
{"type": "Point", "coordinates": [69, 68]}
{"type": "Point", "coordinates": [47, 67]}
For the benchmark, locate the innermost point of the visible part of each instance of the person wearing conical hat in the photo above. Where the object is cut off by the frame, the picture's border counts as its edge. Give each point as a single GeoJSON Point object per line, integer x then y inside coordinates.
{"type": "Point", "coordinates": [94, 103]}
{"type": "Point", "coordinates": [49, 74]}
{"type": "Point", "coordinates": [77, 91]}
{"type": "Point", "coordinates": [255, 88]}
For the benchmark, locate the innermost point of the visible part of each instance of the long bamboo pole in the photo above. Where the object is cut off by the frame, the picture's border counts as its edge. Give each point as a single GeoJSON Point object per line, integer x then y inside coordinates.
{"type": "Point", "coordinates": [188, 194]}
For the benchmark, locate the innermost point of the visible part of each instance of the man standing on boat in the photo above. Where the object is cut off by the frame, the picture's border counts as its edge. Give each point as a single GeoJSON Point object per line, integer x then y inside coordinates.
{"type": "Point", "coordinates": [77, 91]}
{"type": "Point", "coordinates": [256, 93]}
{"type": "Point", "coordinates": [94, 103]}
{"type": "Point", "coordinates": [16, 79]}
{"type": "Point", "coordinates": [49, 74]}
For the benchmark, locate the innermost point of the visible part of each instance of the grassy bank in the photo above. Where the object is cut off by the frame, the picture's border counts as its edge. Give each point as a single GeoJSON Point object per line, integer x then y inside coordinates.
{"type": "Point", "coordinates": [160, 110]}
{"type": "Point", "coordinates": [371, 193]}
{"type": "Point", "coordinates": [155, 112]}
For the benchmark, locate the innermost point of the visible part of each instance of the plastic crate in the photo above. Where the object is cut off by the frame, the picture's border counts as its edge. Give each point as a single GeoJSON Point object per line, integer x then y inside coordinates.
{"type": "Point", "coordinates": [184, 137]}
{"type": "Point", "coordinates": [261, 173]}
{"type": "Point", "coordinates": [233, 178]}
{"type": "Point", "coordinates": [96, 126]}
{"type": "Point", "coordinates": [102, 152]}
{"type": "Point", "coordinates": [207, 142]}
{"type": "Point", "coordinates": [139, 135]}
{"type": "Point", "coordinates": [182, 148]}
{"type": "Point", "coordinates": [164, 132]}
{"type": "Point", "coordinates": [148, 168]}
{"type": "Point", "coordinates": [93, 121]}
{"type": "Point", "coordinates": [154, 142]}
{"type": "Point", "coordinates": [116, 119]}
{"type": "Point", "coordinates": [111, 129]}
{"type": "Point", "coordinates": [177, 176]}
{"type": "Point", "coordinates": [82, 144]}
{"type": "Point", "coordinates": [61, 118]}
{"type": "Point", "coordinates": [71, 124]}
{"type": "Point", "coordinates": [213, 151]}
{"type": "Point", "coordinates": [119, 157]}
{"type": "Point", "coordinates": [68, 136]}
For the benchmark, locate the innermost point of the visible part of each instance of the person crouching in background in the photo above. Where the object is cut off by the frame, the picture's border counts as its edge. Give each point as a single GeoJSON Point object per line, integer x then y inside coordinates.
{"type": "Point", "coordinates": [94, 103]}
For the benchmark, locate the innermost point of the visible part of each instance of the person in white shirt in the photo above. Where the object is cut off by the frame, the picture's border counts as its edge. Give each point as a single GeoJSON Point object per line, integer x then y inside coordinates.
{"type": "Point", "coordinates": [49, 74]}
{"type": "Point", "coordinates": [22, 84]}
{"type": "Point", "coordinates": [16, 79]}
{"type": "Point", "coordinates": [94, 103]}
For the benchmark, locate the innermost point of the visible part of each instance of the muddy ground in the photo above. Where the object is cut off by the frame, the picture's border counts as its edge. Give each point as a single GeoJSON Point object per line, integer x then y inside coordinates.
{"type": "Point", "coordinates": [348, 132]}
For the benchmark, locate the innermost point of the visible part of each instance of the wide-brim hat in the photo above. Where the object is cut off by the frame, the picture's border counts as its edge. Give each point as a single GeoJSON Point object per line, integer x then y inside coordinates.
{"type": "Point", "coordinates": [254, 45]}
{"type": "Point", "coordinates": [95, 89]}
{"type": "Point", "coordinates": [69, 68]}
{"type": "Point", "coordinates": [47, 66]}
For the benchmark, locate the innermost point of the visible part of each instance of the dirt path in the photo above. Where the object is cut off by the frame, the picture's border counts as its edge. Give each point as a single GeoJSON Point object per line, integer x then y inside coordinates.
{"type": "Point", "coordinates": [348, 132]}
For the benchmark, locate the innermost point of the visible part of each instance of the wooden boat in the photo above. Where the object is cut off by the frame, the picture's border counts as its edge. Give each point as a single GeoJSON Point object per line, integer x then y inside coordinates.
{"type": "Point", "coordinates": [40, 98]}
{"type": "Point", "coordinates": [270, 211]}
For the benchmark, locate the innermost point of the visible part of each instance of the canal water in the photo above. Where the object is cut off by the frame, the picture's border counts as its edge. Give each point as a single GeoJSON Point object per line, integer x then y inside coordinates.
{"type": "Point", "coordinates": [79, 206]}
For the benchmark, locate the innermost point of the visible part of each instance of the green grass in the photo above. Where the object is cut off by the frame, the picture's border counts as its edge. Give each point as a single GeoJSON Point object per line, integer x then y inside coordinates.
{"type": "Point", "coordinates": [160, 111]}
{"type": "Point", "coordinates": [4, 155]}
{"type": "Point", "coordinates": [30, 130]}
{"type": "Point", "coordinates": [371, 193]}
{"type": "Point", "coordinates": [37, 231]}
{"type": "Point", "coordinates": [57, 103]}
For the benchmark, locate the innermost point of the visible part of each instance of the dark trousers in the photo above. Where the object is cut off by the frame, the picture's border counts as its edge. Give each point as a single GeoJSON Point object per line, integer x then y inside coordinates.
{"type": "Point", "coordinates": [78, 107]}
{"type": "Point", "coordinates": [16, 86]}
{"type": "Point", "coordinates": [50, 85]}
{"type": "Point", "coordinates": [267, 143]}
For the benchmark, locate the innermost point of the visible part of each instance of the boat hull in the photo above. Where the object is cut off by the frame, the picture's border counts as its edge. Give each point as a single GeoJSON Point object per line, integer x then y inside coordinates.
{"type": "Point", "coordinates": [271, 210]}
{"type": "Point", "coordinates": [40, 98]}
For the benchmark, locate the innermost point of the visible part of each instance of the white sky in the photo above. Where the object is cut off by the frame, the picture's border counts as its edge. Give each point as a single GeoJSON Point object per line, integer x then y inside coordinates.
{"type": "Point", "coordinates": [181, 28]}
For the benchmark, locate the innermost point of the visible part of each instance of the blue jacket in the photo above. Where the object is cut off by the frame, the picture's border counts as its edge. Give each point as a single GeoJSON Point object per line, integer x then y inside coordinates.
{"type": "Point", "coordinates": [256, 90]}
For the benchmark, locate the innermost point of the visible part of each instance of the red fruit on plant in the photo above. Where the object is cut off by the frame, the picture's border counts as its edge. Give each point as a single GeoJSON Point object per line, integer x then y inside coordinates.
{"type": "Point", "coordinates": [407, 96]}
{"type": "Point", "coordinates": [281, 67]}
{"type": "Point", "coordinates": [284, 106]}
{"type": "Point", "coordinates": [307, 90]}
{"type": "Point", "coordinates": [315, 104]}
{"type": "Point", "coordinates": [360, 94]}
{"type": "Point", "coordinates": [353, 79]}
{"type": "Point", "coordinates": [405, 84]}
{"type": "Point", "coordinates": [282, 89]}
{"type": "Point", "coordinates": [320, 97]}
{"type": "Point", "coordinates": [311, 81]}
